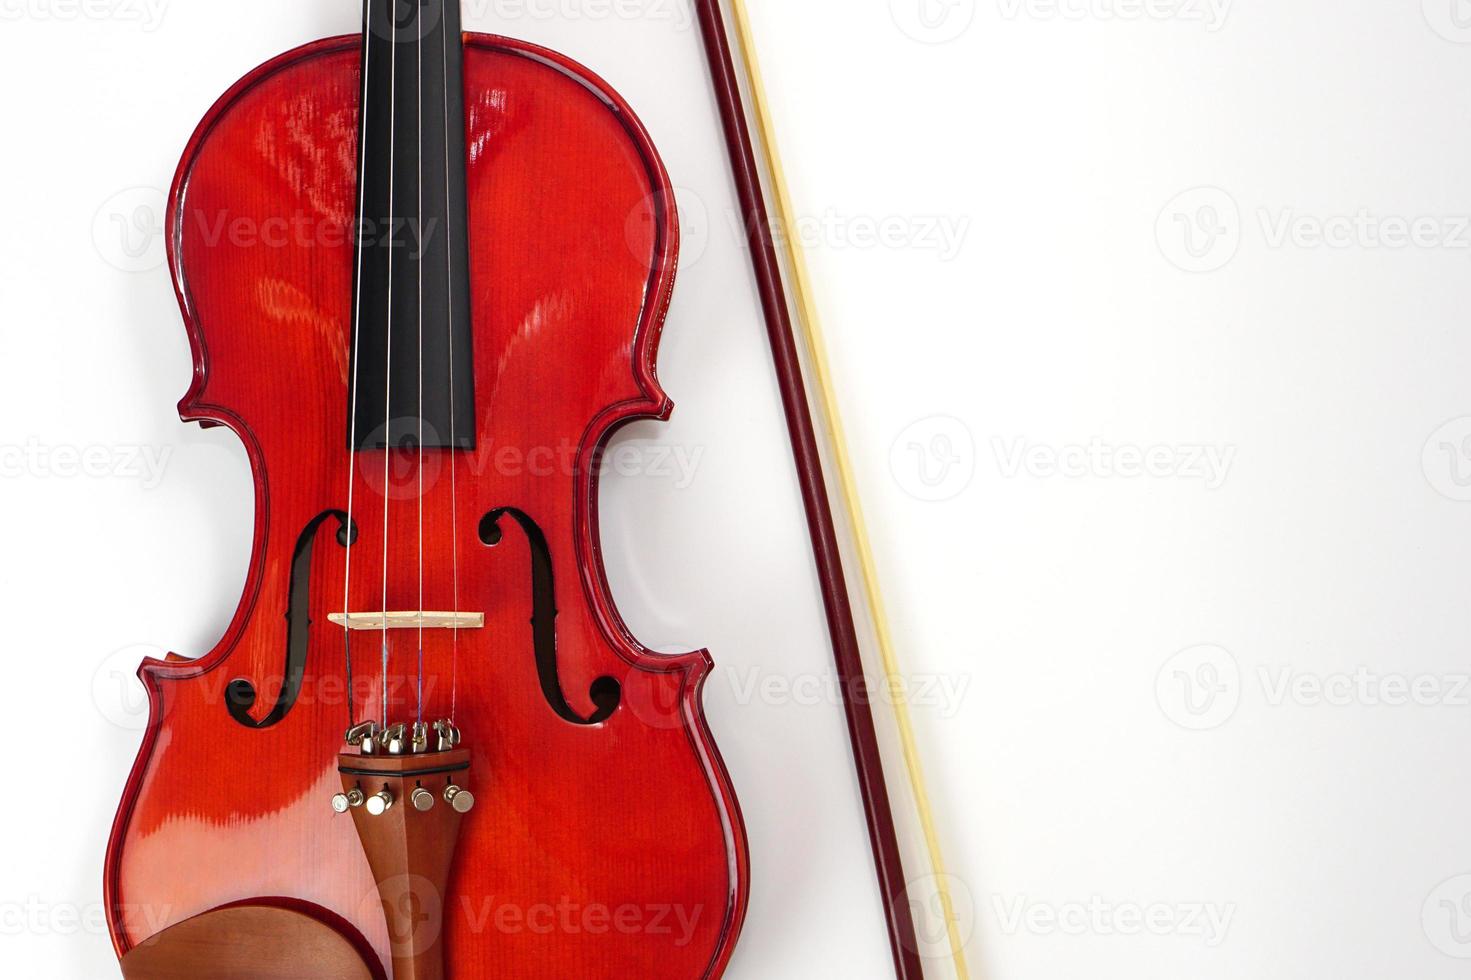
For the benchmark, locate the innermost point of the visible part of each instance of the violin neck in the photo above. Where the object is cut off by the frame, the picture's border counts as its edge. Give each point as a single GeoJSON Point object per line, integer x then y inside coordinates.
{"type": "Point", "coordinates": [411, 351]}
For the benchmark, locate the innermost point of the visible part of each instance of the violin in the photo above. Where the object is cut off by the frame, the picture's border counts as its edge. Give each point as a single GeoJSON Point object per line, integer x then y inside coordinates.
{"type": "Point", "coordinates": [423, 275]}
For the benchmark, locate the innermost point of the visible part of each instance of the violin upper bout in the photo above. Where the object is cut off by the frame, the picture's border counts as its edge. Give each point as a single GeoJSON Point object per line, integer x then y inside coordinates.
{"type": "Point", "coordinates": [574, 239]}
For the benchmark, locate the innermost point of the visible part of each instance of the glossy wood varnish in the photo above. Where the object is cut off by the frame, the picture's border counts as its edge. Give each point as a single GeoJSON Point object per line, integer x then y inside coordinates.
{"type": "Point", "coordinates": [253, 942]}
{"type": "Point", "coordinates": [611, 850]}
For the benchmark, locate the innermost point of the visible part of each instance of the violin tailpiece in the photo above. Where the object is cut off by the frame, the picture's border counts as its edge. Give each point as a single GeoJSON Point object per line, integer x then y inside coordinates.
{"type": "Point", "coordinates": [407, 809]}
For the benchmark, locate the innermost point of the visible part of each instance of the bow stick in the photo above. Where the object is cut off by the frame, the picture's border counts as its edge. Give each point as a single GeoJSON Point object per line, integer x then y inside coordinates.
{"type": "Point", "coordinates": [838, 604]}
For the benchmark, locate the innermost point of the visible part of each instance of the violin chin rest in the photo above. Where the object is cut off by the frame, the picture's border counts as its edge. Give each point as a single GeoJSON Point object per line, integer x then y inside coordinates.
{"type": "Point", "coordinates": [255, 941]}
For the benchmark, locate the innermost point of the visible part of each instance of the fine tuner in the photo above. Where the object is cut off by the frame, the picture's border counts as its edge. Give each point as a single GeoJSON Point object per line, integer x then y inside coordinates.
{"type": "Point", "coordinates": [423, 800]}
{"type": "Point", "coordinates": [403, 738]}
{"type": "Point", "coordinates": [402, 741]}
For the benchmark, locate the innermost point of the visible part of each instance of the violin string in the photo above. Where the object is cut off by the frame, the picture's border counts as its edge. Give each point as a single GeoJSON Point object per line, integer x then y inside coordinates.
{"type": "Point", "coordinates": [449, 274]}
{"type": "Point", "coordinates": [352, 422]}
{"type": "Point", "coordinates": [388, 359]}
{"type": "Point", "coordinates": [419, 268]}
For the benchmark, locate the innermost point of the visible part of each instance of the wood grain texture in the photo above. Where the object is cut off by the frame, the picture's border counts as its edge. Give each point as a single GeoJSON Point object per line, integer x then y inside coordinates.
{"type": "Point", "coordinates": [252, 942]}
{"type": "Point", "coordinates": [612, 850]}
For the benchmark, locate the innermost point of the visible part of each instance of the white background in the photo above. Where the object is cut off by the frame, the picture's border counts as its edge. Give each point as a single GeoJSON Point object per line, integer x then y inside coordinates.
{"type": "Point", "coordinates": [1205, 717]}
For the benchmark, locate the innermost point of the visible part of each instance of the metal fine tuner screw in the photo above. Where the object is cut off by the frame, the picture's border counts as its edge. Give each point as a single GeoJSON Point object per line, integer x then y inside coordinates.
{"type": "Point", "coordinates": [380, 803]}
{"type": "Point", "coordinates": [461, 799]}
{"type": "Point", "coordinates": [364, 736]}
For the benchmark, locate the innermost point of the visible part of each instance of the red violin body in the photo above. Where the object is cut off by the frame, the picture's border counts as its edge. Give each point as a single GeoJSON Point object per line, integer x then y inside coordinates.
{"type": "Point", "coordinates": [605, 841]}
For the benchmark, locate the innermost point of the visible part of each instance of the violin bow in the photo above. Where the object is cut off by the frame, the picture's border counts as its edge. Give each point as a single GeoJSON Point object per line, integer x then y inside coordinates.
{"type": "Point", "coordinates": [838, 604]}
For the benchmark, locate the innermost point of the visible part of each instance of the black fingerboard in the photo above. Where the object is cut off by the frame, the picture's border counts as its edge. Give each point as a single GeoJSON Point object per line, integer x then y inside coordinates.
{"type": "Point", "coordinates": [411, 362]}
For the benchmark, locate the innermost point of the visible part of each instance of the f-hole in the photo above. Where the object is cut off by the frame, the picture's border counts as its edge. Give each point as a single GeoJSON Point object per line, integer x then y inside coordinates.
{"type": "Point", "coordinates": [606, 693]}
{"type": "Point", "coordinates": [240, 696]}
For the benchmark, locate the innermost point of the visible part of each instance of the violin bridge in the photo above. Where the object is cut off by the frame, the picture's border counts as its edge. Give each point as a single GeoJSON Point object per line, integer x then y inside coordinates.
{"type": "Point", "coordinates": [410, 620]}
